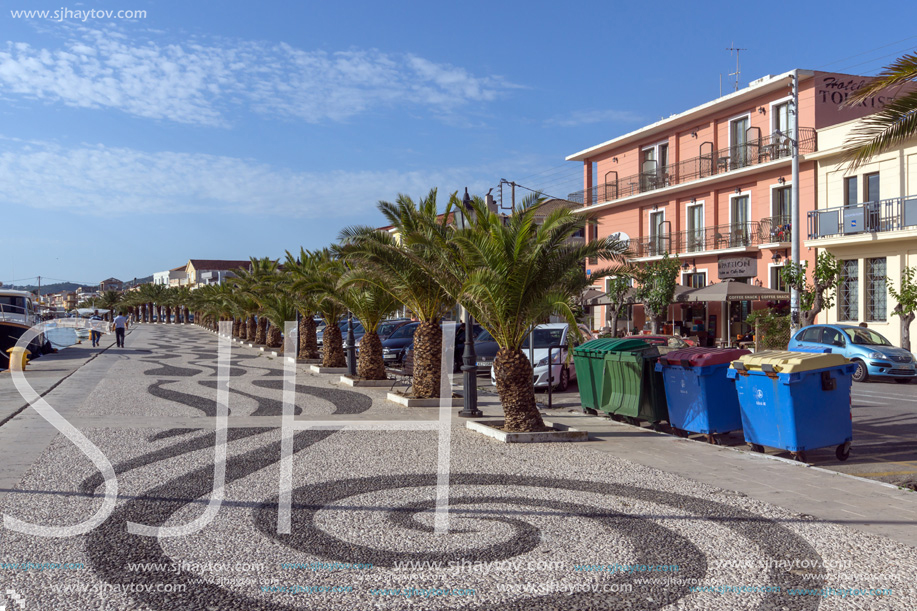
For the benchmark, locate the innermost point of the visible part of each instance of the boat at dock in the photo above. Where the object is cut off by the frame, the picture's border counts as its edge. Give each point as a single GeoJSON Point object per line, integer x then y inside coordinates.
{"type": "Point", "coordinates": [17, 314]}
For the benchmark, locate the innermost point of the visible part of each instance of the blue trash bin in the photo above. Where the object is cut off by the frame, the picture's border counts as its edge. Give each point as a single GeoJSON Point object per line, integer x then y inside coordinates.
{"type": "Point", "coordinates": [795, 401]}
{"type": "Point", "coordinates": [701, 398]}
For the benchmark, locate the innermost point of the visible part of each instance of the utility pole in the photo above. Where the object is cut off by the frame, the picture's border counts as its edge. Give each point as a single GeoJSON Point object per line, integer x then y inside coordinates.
{"type": "Point", "coordinates": [794, 203]}
{"type": "Point", "coordinates": [737, 72]}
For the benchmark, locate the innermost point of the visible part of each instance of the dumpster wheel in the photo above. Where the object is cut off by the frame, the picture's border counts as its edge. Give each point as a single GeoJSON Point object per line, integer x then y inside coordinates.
{"type": "Point", "coordinates": [712, 439]}
{"type": "Point", "coordinates": [757, 447]}
{"type": "Point", "coordinates": [843, 451]}
{"type": "Point", "coordinates": [799, 456]}
{"type": "Point", "coordinates": [590, 411]}
{"type": "Point", "coordinates": [632, 421]}
{"type": "Point", "coordinates": [680, 432]}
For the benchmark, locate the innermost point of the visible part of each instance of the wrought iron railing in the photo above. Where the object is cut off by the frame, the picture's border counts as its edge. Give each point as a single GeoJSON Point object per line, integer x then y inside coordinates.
{"type": "Point", "coordinates": [719, 237]}
{"type": "Point", "coordinates": [708, 163]}
{"type": "Point", "coordinates": [869, 217]}
{"type": "Point", "coordinates": [775, 229]}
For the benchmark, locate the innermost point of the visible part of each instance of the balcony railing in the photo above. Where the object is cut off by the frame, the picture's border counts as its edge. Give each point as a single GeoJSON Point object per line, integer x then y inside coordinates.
{"type": "Point", "coordinates": [775, 229]}
{"type": "Point", "coordinates": [869, 217]}
{"type": "Point", "coordinates": [719, 237]}
{"type": "Point", "coordinates": [709, 163]}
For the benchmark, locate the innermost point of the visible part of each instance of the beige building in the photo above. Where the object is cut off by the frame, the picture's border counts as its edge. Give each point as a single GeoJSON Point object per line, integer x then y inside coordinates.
{"type": "Point", "coordinates": [866, 218]}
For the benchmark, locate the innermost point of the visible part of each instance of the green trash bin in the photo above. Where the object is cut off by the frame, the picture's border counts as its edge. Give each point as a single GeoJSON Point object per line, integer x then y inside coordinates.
{"type": "Point", "coordinates": [589, 361]}
{"type": "Point", "coordinates": [633, 389]}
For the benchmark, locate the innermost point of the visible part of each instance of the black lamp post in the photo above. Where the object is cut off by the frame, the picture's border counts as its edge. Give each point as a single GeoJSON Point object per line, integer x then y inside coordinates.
{"type": "Point", "coordinates": [351, 349]}
{"type": "Point", "coordinates": [469, 368]}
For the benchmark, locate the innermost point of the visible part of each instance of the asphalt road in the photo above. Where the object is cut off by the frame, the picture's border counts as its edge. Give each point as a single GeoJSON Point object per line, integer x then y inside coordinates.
{"type": "Point", "coordinates": [884, 432]}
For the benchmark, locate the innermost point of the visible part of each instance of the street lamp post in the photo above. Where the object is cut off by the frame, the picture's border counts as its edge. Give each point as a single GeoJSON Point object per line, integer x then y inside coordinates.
{"type": "Point", "coordinates": [469, 366]}
{"type": "Point", "coordinates": [351, 349]}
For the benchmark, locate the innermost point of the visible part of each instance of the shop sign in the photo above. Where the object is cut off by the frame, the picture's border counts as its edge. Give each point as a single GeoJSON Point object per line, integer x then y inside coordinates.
{"type": "Point", "coordinates": [737, 267]}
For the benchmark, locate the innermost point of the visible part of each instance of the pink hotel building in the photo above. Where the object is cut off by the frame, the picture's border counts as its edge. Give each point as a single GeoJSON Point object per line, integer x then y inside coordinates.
{"type": "Point", "coordinates": [712, 185]}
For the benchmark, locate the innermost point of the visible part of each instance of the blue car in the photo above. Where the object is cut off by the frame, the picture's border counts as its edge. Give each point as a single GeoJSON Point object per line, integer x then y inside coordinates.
{"type": "Point", "coordinates": [873, 354]}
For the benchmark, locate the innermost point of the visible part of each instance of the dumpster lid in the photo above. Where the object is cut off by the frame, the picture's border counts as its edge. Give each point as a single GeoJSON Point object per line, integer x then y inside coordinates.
{"type": "Point", "coordinates": [782, 361]}
{"type": "Point", "coordinates": [703, 357]}
{"type": "Point", "coordinates": [604, 345]}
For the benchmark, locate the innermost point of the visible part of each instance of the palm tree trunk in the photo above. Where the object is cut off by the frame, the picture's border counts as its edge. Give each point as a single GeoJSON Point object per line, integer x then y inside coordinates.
{"type": "Point", "coordinates": [251, 329]}
{"type": "Point", "coordinates": [428, 349]}
{"type": "Point", "coordinates": [274, 337]}
{"type": "Point", "coordinates": [261, 331]}
{"type": "Point", "coordinates": [308, 344]}
{"type": "Point", "coordinates": [369, 363]}
{"type": "Point", "coordinates": [333, 343]}
{"type": "Point", "coordinates": [237, 328]}
{"type": "Point", "coordinates": [513, 372]}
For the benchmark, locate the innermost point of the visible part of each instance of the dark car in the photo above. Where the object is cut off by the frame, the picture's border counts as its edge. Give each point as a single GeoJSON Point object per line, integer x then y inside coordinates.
{"type": "Point", "coordinates": [393, 347]}
{"type": "Point", "coordinates": [458, 349]}
{"type": "Point", "coordinates": [387, 327]}
{"type": "Point", "coordinates": [485, 349]}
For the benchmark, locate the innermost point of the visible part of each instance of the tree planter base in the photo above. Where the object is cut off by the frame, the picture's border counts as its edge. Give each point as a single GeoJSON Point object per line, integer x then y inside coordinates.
{"type": "Point", "coordinates": [349, 381]}
{"type": "Point", "coordinates": [406, 401]}
{"type": "Point", "coordinates": [309, 361]}
{"type": "Point", "coordinates": [491, 429]}
{"type": "Point", "coordinates": [320, 369]}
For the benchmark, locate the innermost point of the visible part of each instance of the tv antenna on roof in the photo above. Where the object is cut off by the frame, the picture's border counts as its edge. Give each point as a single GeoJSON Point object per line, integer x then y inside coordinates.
{"type": "Point", "coordinates": [737, 72]}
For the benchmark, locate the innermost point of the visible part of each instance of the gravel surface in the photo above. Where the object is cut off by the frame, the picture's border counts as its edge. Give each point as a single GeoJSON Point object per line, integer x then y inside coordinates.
{"type": "Point", "coordinates": [522, 519]}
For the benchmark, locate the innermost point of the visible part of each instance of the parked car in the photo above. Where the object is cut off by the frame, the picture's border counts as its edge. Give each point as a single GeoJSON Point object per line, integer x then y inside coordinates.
{"type": "Point", "coordinates": [393, 348]}
{"type": "Point", "coordinates": [543, 337]}
{"type": "Point", "coordinates": [458, 350]}
{"type": "Point", "coordinates": [874, 355]}
{"type": "Point", "coordinates": [358, 331]}
{"type": "Point", "coordinates": [485, 348]}
{"type": "Point", "coordinates": [384, 330]}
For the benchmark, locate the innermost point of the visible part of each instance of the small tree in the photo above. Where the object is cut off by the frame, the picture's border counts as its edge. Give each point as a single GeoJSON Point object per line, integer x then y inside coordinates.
{"type": "Point", "coordinates": [818, 295]}
{"type": "Point", "coordinates": [657, 288]}
{"type": "Point", "coordinates": [907, 303]}
{"type": "Point", "coordinates": [617, 298]}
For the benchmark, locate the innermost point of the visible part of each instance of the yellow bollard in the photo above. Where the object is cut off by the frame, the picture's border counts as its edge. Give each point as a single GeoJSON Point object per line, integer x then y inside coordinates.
{"type": "Point", "coordinates": [19, 358]}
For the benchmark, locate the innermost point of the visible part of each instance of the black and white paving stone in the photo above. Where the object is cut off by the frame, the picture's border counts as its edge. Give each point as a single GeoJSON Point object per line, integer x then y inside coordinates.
{"type": "Point", "coordinates": [522, 518]}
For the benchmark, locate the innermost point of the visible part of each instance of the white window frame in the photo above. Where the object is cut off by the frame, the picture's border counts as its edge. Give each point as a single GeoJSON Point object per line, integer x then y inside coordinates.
{"type": "Point", "coordinates": [655, 148]}
{"type": "Point", "coordinates": [744, 115]}
{"type": "Point", "coordinates": [770, 274]}
{"type": "Point", "coordinates": [776, 186]}
{"type": "Point", "coordinates": [703, 217]}
{"type": "Point", "coordinates": [733, 196]}
{"type": "Point", "coordinates": [649, 220]}
{"type": "Point", "coordinates": [696, 271]}
{"type": "Point", "coordinates": [773, 115]}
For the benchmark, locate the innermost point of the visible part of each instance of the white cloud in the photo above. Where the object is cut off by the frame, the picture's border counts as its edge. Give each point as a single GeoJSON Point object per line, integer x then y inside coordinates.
{"type": "Point", "coordinates": [105, 181]}
{"type": "Point", "coordinates": [205, 82]}
{"type": "Point", "coordinates": [587, 117]}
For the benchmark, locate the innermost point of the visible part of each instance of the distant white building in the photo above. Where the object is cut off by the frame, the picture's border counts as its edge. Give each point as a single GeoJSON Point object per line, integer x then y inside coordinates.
{"type": "Point", "coordinates": [172, 277]}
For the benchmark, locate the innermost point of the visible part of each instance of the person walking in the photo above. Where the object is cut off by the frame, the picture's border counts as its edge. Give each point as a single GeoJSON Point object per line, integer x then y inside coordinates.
{"type": "Point", "coordinates": [94, 334]}
{"type": "Point", "coordinates": [120, 323]}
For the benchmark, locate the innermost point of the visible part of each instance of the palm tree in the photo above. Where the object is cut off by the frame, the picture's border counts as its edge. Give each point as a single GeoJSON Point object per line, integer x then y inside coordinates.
{"type": "Point", "coordinates": [109, 300]}
{"type": "Point", "coordinates": [513, 275]}
{"type": "Point", "coordinates": [400, 263]}
{"type": "Point", "coordinates": [306, 302]}
{"type": "Point", "coordinates": [252, 282]}
{"type": "Point", "coordinates": [895, 123]}
{"type": "Point", "coordinates": [371, 304]}
{"type": "Point", "coordinates": [321, 281]}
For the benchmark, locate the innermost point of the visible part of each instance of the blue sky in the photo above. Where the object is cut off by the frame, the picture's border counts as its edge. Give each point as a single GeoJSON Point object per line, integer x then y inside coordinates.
{"type": "Point", "coordinates": [236, 129]}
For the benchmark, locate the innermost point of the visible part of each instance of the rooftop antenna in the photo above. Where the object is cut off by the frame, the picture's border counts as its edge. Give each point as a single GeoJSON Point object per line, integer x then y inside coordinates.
{"type": "Point", "coordinates": [737, 72]}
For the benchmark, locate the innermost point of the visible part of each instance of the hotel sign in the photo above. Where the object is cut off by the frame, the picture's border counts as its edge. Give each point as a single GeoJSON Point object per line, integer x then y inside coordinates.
{"type": "Point", "coordinates": [737, 267]}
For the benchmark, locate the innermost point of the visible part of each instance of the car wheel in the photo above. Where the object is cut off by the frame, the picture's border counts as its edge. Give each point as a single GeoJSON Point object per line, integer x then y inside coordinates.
{"type": "Point", "coordinates": [564, 382]}
{"type": "Point", "coordinates": [860, 374]}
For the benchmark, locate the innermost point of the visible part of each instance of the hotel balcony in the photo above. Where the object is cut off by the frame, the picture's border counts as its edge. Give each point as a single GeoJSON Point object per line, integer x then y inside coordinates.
{"type": "Point", "coordinates": [710, 163]}
{"type": "Point", "coordinates": [887, 219]}
{"type": "Point", "coordinates": [735, 237]}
